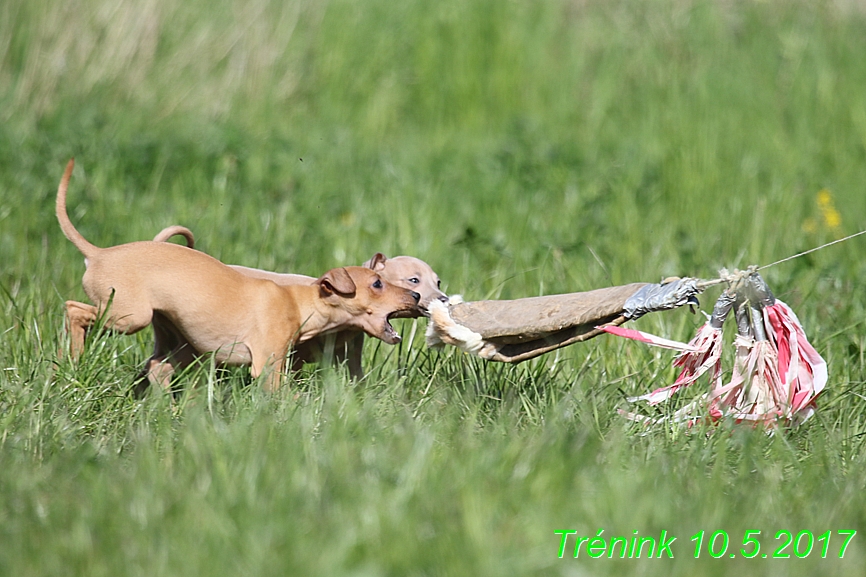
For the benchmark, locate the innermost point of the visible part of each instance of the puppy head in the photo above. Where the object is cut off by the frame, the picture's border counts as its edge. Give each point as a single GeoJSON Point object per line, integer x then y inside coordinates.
{"type": "Point", "coordinates": [368, 301]}
{"type": "Point", "coordinates": [410, 273]}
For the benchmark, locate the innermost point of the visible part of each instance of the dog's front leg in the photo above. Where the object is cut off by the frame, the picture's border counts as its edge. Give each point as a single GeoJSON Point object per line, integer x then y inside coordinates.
{"type": "Point", "coordinates": [353, 352]}
{"type": "Point", "coordinates": [272, 367]}
{"type": "Point", "coordinates": [170, 352]}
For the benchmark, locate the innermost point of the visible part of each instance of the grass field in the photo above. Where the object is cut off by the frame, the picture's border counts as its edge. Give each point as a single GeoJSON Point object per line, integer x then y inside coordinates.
{"type": "Point", "coordinates": [521, 148]}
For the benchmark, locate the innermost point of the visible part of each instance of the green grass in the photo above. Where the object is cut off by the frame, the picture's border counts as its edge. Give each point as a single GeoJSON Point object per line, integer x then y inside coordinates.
{"type": "Point", "coordinates": [521, 148]}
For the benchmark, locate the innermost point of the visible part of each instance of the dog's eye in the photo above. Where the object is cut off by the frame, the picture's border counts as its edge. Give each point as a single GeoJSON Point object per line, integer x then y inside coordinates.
{"type": "Point", "coordinates": [438, 284]}
{"type": "Point", "coordinates": [414, 280]}
{"type": "Point", "coordinates": [377, 284]}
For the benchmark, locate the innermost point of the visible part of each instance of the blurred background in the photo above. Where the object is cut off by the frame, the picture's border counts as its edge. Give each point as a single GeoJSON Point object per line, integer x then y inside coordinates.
{"type": "Point", "coordinates": [519, 147]}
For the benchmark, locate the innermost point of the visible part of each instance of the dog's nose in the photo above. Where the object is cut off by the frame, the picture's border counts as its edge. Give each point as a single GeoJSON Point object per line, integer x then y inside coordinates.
{"type": "Point", "coordinates": [416, 296]}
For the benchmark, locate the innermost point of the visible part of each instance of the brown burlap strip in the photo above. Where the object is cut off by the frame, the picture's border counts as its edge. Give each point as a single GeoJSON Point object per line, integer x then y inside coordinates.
{"type": "Point", "coordinates": [526, 328]}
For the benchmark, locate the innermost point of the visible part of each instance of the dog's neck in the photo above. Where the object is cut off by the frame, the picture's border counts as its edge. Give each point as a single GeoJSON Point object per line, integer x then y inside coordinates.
{"type": "Point", "coordinates": [316, 316]}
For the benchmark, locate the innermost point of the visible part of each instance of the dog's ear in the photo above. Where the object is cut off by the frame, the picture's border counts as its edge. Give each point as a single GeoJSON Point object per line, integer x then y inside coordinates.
{"type": "Point", "coordinates": [337, 281]}
{"type": "Point", "coordinates": [377, 262]}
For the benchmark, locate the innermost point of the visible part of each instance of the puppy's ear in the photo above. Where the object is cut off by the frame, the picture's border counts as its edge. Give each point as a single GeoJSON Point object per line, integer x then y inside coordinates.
{"type": "Point", "coordinates": [377, 262]}
{"type": "Point", "coordinates": [337, 281]}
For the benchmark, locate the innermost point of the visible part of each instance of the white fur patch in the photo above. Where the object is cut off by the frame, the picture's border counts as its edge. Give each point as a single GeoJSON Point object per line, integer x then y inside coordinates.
{"type": "Point", "coordinates": [442, 329]}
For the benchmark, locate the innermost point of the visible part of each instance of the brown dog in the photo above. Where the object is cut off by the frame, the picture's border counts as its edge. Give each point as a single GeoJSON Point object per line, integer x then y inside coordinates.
{"type": "Point", "coordinates": [403, 271]}
{"type": "Point", "coordinates": [198, 305]}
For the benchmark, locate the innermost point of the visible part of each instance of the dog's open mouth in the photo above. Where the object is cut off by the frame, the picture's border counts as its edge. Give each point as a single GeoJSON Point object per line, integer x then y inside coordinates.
{"type": "Point", "coordinates": [389, 335]}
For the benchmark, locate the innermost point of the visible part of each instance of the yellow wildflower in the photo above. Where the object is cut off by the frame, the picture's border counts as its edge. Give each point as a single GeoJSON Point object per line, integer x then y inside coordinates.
{"type": "Point", "coordinates": [830, 216]}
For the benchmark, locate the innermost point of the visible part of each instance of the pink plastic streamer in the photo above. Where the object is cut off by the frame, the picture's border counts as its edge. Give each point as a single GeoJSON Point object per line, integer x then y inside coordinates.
{"type": "Point", "coordinates": [704, 353]}
{"type": "Point", "coordinates": [646, 338]}
{"type": "Point", "coordinates": [802, 371]}
{"type": "Point", "coordinates": [773, 380]}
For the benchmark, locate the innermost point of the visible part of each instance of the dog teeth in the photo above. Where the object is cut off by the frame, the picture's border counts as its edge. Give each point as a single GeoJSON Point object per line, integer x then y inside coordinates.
{"type": "Point", "coordinates": [391, 333]}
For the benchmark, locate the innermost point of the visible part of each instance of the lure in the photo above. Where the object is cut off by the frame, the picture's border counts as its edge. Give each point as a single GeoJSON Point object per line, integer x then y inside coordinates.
{"type": "Point", "coordinates": [777, 373]}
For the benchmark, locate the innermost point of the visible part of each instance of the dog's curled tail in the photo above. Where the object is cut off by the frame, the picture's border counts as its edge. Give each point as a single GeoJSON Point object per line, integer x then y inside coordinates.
{"type": "Point", "coordinates": [170, 231]}
{"type": "Point", "coordinates": [81, 243]}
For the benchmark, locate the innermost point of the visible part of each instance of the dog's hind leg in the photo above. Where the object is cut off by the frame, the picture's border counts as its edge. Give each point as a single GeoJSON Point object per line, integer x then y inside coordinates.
{"type": "Point", "coordinates": [79, 318]}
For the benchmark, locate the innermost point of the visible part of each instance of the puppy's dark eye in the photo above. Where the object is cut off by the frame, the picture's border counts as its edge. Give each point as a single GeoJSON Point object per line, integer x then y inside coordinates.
{"type": "Point", "coordinates": [377, 284]}
{"type": "Point", "coordinates": [414, 280]}
{"type": "Point", "coordinates": [438, 284]}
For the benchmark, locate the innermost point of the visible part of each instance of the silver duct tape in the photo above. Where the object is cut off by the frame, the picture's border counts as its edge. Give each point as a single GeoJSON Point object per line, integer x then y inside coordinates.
{"type": "Point", "coordinates": [662, 297]}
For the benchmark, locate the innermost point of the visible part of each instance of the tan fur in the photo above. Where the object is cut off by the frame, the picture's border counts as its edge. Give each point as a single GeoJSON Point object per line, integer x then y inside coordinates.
{"type": "Point", "coordinates": [176, 229]}
{"type": "Point", "coordinates": [404, 271]}
{"type": "Point", "coordinates": [198, 305]}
